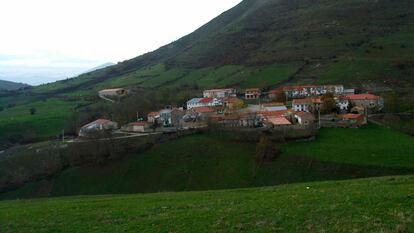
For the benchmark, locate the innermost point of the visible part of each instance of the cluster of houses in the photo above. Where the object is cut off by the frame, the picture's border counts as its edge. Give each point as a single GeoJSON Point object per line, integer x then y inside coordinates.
{"type": "Point", "coordinates": [228, 108]}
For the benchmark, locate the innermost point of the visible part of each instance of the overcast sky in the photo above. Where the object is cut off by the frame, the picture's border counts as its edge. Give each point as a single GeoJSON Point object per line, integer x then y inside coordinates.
{"type": "Point", "coordinates": [81, 34]}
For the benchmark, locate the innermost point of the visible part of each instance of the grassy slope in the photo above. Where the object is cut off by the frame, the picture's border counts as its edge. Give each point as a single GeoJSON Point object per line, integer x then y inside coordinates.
{"type": "Point", "coordinates": [368, 205]}
{"type": "Point", "coordinates": [50, 118]}
{"type": "Point", "coordinates": [183, 164]}
{"type": "Point", "coordinates": [376, 146]}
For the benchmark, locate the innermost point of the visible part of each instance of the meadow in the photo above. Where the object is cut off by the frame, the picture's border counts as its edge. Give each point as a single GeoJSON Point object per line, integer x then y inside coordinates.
{"type": "Point", "coordinates": [366, 205]}
{"type": "Point", "coordinates": [48, 120]}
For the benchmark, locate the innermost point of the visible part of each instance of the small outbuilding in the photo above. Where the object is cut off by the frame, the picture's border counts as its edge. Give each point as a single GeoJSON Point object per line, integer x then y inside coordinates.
{"type": "Point", "coordinates": [98, 128]}
{"type": "Point", "coordinates": [136, 127]}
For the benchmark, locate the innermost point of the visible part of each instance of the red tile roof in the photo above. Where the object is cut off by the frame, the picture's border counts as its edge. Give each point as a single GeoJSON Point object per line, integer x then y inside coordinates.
{"type": "Point", "coordinates": [206, 109]}
{"type": "Point", "coordinates": [275, 113]}
{"type": "Point", "coordinates": [307, 101]}
{"type": "Point", "coordinates": [153, 114]}
{"type": "Point", "coordinates": [351, 116]}
{"type": "Point", "coordinates": [363, 97]}
{"type": "Point", "coordinates": [230, 99]}
{"type": "Point", "coordinates": [206, 100]}
{"type": "Point", "coordinates": [278, 121]}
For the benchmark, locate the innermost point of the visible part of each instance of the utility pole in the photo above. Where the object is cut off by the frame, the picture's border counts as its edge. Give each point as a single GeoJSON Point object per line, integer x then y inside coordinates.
{"type": "Point", "coordinates": [319, 118]}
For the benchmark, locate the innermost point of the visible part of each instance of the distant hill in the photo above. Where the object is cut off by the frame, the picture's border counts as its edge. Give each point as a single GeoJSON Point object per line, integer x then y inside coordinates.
{"type": "Point", "coordinates": [10, 86]}
{"type": "Point", "coordinates": [100, 67]}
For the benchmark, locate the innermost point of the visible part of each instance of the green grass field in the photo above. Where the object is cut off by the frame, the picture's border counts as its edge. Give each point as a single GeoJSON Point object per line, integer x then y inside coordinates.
{"type": "Point", "coordinates": [49, 120]}
{"type": "Point", "coordinates": [183, 165]}
{"type": "Point", "coordinates": [367, 205]}
{"type": "Point", "coordinates": [371, 145]}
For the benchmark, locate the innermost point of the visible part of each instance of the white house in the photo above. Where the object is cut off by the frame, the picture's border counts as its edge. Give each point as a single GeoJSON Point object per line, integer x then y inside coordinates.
{"type": "Point", "coordinates": [194, 103]}
{"type": "Point", "coordinates": [306, 105]}
{"type": "Point", "coordinates": [312, 90]}
{"type": "Point", "coordinates": [219, 93]}
{"type": "Point", "coordinates": [203, 102]}
{"type": "Point", "coordinates": [342, 102]}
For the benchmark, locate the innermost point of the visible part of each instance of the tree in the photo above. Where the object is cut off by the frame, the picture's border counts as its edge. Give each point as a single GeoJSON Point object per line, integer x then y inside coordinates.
{"type": "Point", "coordinates": [280, 97]}
{"type": "Point", "coordinates": [328, 103]}
{"type": "Point", "coordinates": [32, 111]}
{"type": "Point", "coordinates": [265, 149]}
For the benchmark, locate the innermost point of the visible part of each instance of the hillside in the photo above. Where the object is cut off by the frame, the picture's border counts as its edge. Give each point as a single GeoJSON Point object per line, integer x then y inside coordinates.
{"type": "Point", "coordinates": [11, 86]}
{"type": "Point", "coordinates": [359, 42]}
{"type": "Point", "coordinates": [368, 205]}
{"type": "Point", "coordinates": [364, 44]}
{"type": "Point", "coordinates": [211, 161]}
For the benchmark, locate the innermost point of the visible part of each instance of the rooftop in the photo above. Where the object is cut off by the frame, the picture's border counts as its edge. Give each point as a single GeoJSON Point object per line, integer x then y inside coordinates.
{"type": "Point", "coordinates": [137, 123]}
{"type": "Point", "coordinates": [206, 109]}
{"type": "Point", "coordinates": [153, 114]}
{"type": "Point", "coordinates": [351, 116]}
{"type": "Point", "coordinates": [219, 90]}
{"type": "Point", "coordinates": [278, 120]}
{"type": "Point", "coordinates": [273, 104]}
{"type": "Point", "coordinates": [363, 97]}
{"type": "Point", "coordinates": [113, 89]}
{"type": "Point", "coordinates": [307, 100]}
{"type": "Point", "coordinates": [252, 90]}
{"type": "Point", "coordinates": [206, 100]}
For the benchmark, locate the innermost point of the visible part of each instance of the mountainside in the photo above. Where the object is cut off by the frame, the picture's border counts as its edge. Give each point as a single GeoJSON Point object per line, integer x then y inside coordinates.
{"type": "Point", "coordinates": [364, 43]}
{"type": "Point", "coordinates": [11, 86]}
{"type": "Point", "coordinates": [368, 205]}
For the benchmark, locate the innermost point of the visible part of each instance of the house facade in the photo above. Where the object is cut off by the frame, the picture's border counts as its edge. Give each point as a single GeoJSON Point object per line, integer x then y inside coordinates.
{"type": "Point", "coordinates": [304, 118]}
{"type": "Point", "coordinates": [306, 105]}
{"type": "Point", "coordinates": [152, 117]}
{"type": "Point", "coordinates": [219, 93]}
{"type": "Point", "coordinates": [136, 127]}
{"type": "Point", "coordinates": [98, 128]}
{"type": "Point", "coordinates": [312, 90]}
{"type": "Point", "coordinates": [203, 102]}
{"type": "Point", "coordinates": [273, 106]}
{"type": "Point", "coordinates": [252, 93]}
{"type": "Point", "coordinates": [353, 120]}
{"type": "Point", "coordinates": [232, 102]}
{"type": "Point", "coordinates": [368, 101]}
{"type": "Point", "coordinates": [342, 103]}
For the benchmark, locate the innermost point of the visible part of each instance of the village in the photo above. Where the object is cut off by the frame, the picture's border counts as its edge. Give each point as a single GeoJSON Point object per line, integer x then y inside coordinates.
{"type": "Point", "coordinates": [284, 108]}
